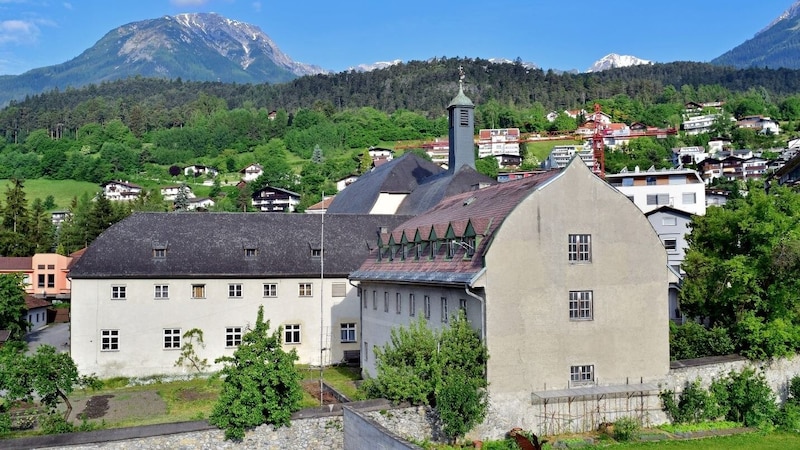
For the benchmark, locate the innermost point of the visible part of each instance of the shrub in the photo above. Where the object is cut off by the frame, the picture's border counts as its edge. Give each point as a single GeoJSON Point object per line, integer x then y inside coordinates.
{"type": "Point", "coordinates": [694, 404]}
{"type": "Point", "coordinates": [626, 429]}
{"type": "Point", "coordinates": [692, 340]}
{"type": "Point", "coordinates": [789, 417]}
{"type": "Point", "coordinates": [794, 390]}
{"type": "Point", "coordinates": [745, 397]}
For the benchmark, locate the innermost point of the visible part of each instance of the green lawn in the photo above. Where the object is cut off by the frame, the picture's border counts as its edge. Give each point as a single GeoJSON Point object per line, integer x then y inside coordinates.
{"type": "Point", "coordinates": [63, 191]}
{"type": "Point", "coordinates": [541, 149]}
{"type": "Point", "coordinates": [750, 441]}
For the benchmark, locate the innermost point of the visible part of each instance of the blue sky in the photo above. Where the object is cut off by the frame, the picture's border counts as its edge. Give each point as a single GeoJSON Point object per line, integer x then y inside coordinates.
{"type": "Point", "coordinates": [566, 34]}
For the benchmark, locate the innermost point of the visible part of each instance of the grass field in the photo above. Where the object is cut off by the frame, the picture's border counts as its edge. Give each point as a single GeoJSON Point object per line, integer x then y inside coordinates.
{"type": "Point", "coordinates": [749, 441]}
{"type": "Point", "coordinates": [63, 191]}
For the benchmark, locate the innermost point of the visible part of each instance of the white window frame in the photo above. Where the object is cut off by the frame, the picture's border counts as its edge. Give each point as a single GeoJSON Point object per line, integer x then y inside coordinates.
{"type": "Point", "coordinates": [304, 290]}
{"type": "Point", "coordinates": [669, 221]}
{"type": "Point", "coordinates": [581, 305]}
{"type": "Point", "coordinates": [581, 374]}
{"type": "Point", "coordinates": [109, 340]}
{"type": "Point", "coordinates": [235, 290]}
{"type": "Point", "coordinates": [689, 198]}
{"type": "Point", "coordinates": [412, 305]}
{"type": "Point", "coordinates": [292, 334]}
{"type": "Point", "coordinates": [270, 290]}
{"type": "Point", "coordinates": [161, 291]}
{"type": "Point", "coordinates": [579, 248]}
{"type": "Point", "coordinates": [172, 338]}
{"type": "Point", "coordinates": [671, 244]}
{"type": "Point", "coordinates": [119, 292]}
{"type": "Point", "coordinates": [347, 332]}
{"type": "Point", "coordinates": [233, 336]}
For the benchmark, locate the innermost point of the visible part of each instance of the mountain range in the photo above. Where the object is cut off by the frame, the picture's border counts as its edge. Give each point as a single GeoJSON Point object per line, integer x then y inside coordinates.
{"type": "Point", "coordinates": [210, 47]}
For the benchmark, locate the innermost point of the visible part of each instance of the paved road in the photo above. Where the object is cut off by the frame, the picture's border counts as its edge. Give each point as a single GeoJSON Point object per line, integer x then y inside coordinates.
{"type": "Point", "coordinates": [55, 334]}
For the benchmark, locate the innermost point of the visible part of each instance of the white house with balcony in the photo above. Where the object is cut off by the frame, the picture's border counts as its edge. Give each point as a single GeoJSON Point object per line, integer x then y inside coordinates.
{"type": "Point", "coordinates": [678, 188]}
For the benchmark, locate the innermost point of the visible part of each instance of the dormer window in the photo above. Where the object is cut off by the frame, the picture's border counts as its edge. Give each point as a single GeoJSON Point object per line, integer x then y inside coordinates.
{"type": "Point", "coordinates": [450, 248]}
{"type": "Point", "coordinates": [432, 253]}
{"type": "Point", "coordinates": [316, 252]}
{"type": "Point", "coordinates": [250, 252]}
{"type": "Point", "coordinates": [418, 250]}
{"type": "Point", "coordinates": [469, 246]}
{"type": "Point", "coordinates": [159, 253]}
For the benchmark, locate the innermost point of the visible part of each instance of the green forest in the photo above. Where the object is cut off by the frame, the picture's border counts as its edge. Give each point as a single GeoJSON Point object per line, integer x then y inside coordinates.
{"type": "Point", "coordinates": [312, 131]}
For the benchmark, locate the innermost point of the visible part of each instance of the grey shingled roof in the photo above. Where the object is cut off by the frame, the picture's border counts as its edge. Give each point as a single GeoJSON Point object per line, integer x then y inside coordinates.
{"type": "Point", "coordinates": [213, 245]}
{"type": "Point", "coordinates": [436, 188]}
{"type": "Point", "coordinates": [399, 176]}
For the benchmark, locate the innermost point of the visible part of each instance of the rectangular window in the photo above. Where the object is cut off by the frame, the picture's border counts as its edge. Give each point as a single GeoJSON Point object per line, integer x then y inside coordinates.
{"type": "Point", "coordinates": [159, 253]}
{"type": "Point", "coordinates": [627, 181]}
{"type": "Point", "coordinates": [444, 309]}
{"type": "Point", "coordinates": [40, 280]}
{"type": "Point", "coordinates": [580, 305]}
{"type": "Point", "coordinates": [363, 298]}
{"type": "Point", "coordinates": [291, 334]}
{"type": "Point", "coordinates": [418, 250]}
{"type": "Point", "coordinates": [235, 290]}
{"type": "Point", "coordinates": [581, 374]}
{"type": "Point", "coordinates": [651, 180]}
{"type": "Point", "coordinates": [580, 248]}
{"type": "Point", "coordinates": [51, 267]}
{"type": "Point", "coordinates": [348, 332]}
{"type": "Point", "coordinates": [689, 198]}
{"type": "Point", "coordinates": [172, 338]}
{"type": "Point", "coordinates": [366, 351]}
{"type": "Point", "coordinates": [249, 253]}
{"type": "Point", "coordinates": [412, 305]}
{"type": "Point", "coordinates": [427, 307]}
{"type": "Point", "coordinates": [51, 280]}
{"type": "Point", "coordinates": [658, 199]}
{"type": "Point", "coordinates": [470, 247]}
{"type": "Point", "coordinates": [118, 293]}
{"type": "Point", "coordinates": [161, 291]}
{"type": "Point", "coordinates": [109, 340]}
{"type": "Point", "coordinates": [385, 302]}
{"type": "Point", "coordinates": [40, 266]}
{"type": "Point", "coordinates": [270, 290]}
{"type": "Point", "coordinates": [304, 289]}
{"type": "Point", "coordinates": [669, 221]}
{"type": "Point", "coordinates": [198, 291]}
{"type": "Point", "coordinates": [462, 305]}
{"type": "Point", "coordinates": [338, 289]}
{"type": "Point", "coordinates": [670, 244]}
{"type": "Point", "coordinates": [375, 300]}
{"type": "Point", "coordinates": [398, 303]}
{"type": "Point", "coordinates": [463, 117]}
{"type": "Point", "coordinates": [233, 336]}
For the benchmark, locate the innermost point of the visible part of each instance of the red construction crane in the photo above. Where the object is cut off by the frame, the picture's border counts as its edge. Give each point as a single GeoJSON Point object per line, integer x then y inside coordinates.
{"type": "Point", "coordinates": [598, 148]}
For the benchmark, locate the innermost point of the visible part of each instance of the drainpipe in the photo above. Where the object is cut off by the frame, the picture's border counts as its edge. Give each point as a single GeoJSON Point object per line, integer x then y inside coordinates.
{"type": "Point", "coordinates": [468, 291]}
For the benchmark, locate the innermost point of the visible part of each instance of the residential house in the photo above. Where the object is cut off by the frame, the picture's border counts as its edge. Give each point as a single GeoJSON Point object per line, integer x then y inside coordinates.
{"type": "Point", "coordinates": [200, 204]}
{"type": "Point", "coordinates": [18, 264]}
{"type": "Point", "coordinates": [561, 155]}
{"type": "Point", "coordinates": [198, 169]}
{"type": "Point", "coordinates": [170, 193]}
{"type": "Point", "coordinates": [789, 174]}
{"type": "Point", "coordinates": [717, 197]}
{"type": "Point", "coordinates": [718, 144]}
{"type": "Point", "coordinates": [699, 124]}
{"type": "Point", "coordinates": [378, 153]}
{"type": "Point", "coordinates": [498, 141]}
{"type": "Point", "coordinates": [672, 226]}
{"type": "Point", "coordinates": [570, 301]}
{"type": "Point", "coordinates": [36, 312]}
{"type": "Point", "coordinates": [121, 190]}
{"type": "Point", "coordinates": [50, 276]}
{"type": "Point", "coordinates": [679, 188]}
{"type": "Point", "coordinates": [211, 272]}
{"type": "Point", "coordinates": [320, 207]}
{"type": "Point", "coordinates": [251, 172]}
{"type": "Point", "coordinates": [761, 124]}
{"type": "Point", "coordinates": [508, 161]}
{"type": "Point", "coordinates": [275, 199]}
{"type": "Point", "coordinates": [683, 156]}
{"type": "Point", "coordinates": [503, 177]}
{"type": "Point", "coordinates": [59, 216]}
{"type": "Point", "coordinates": [438, 151]}
{"type": "Point", "coordinates": [342, 183]}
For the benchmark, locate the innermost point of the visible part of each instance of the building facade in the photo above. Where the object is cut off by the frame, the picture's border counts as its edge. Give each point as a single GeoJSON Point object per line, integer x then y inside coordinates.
{"type": "Point", "coordinates": [651, 189]}
{"type": "Point", "coordinates": [566, 299]}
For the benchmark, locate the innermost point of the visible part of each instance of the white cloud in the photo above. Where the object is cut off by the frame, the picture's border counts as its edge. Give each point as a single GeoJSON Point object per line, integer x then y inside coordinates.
{"type": "Point", "coordinates": [67, 5]}
{"type": "Point", "coordinates": [188, 2]}
{"type": "Point", "coordinates": [257, 6]}
{"type": "Point", "coordinates": [18, 31]}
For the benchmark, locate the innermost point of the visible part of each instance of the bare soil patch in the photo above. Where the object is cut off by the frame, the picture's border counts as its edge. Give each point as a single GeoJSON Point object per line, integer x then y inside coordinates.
{"type": "Point", "coordinates": [120, 407]}
{"type": "Point", "coordinates": [312, 387]}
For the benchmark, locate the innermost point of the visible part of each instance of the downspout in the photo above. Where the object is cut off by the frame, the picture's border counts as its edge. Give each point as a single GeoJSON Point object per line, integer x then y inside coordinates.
{"type": "Point", "coordinates": [360, 319]}
{"type": "Point", "coordinates": [468, 291]}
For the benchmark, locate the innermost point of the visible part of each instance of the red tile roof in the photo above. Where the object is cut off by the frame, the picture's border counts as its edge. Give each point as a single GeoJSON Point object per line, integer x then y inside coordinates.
{"type": "Point", "coordinates": [32, 302]}
{"type": "Point", "coordinates": [485, 209]}
{"type": "Point", "coordinates": [16, 263]}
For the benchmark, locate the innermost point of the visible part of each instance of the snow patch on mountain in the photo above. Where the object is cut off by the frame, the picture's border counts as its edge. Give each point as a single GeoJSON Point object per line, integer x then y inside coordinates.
{"type": "Point", "coordinates": [613, 60]}
{"type": "Point", "coordinates": [792, 12]}
{"type": "Point", "coordinates": [374, 66]}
